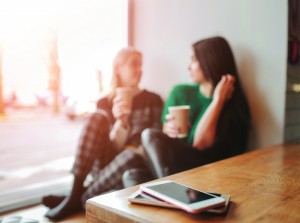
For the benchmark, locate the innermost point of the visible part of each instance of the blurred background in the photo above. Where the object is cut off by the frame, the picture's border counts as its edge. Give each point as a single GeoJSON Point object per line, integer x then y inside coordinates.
{"type": "Point", "coordinates": [55, 61]}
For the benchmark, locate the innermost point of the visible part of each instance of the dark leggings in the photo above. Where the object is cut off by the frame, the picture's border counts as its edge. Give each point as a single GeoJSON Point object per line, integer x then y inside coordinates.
{"type": "Point", "coordinates": [168, 155]}
{"type": "Point", "coordinates": [97, 156]}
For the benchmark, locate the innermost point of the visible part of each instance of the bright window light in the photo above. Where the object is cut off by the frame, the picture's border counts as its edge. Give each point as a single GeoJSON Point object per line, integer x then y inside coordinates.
{"type": "Point", "coordinates": [88, 35]}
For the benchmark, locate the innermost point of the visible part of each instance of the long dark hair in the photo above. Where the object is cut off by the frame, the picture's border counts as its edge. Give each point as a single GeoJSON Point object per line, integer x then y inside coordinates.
{"type": "Point", "coordinates": [216, 59]}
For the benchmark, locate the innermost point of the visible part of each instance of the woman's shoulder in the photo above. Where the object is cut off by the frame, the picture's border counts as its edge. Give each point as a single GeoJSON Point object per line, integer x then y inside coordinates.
{"type": "Point", "coordinates": [103, 102]}
{"type": "Point", "coordinates": [183, 88]}
{"type": "Point", "coordinates": [150, 95]}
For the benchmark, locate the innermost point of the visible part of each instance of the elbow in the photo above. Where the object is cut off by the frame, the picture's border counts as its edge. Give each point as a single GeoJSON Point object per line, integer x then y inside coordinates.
{"type": "Point", "coordinates": [204, 143]}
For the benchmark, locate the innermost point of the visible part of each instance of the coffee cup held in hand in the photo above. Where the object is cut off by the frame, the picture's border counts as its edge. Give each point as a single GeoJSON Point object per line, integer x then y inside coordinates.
{"type": "Point", "coordinates": [126, 95]}
{"type": "Point", "coordinates": [181, 118]}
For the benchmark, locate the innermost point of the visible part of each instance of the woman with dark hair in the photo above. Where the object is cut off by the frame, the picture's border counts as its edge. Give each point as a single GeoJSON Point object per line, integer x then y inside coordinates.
{"type": "Point", "coordinates": [219, 114]}
{"type": "Point", "coordinates": [111, 140]}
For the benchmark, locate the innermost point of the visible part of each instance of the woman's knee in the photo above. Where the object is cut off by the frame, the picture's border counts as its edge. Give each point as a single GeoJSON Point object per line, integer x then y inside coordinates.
{"type": "Point", "coordinates": [129, 158]}
{"type": "Point", "coordinates": [99, 117]}
{"type": "Point", "coordinates": [149, 136]}
{"type": "Point", "coordinates": [154, 144]}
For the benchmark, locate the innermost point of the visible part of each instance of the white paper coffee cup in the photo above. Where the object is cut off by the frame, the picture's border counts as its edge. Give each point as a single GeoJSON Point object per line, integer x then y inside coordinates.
{"type": "Point", "coordinates": [126, 95]}
{"type": "Point", "coordinates": [181, 118]}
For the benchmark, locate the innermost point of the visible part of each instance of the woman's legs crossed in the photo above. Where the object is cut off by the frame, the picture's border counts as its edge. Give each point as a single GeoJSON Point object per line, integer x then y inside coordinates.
{"type": "Point", "coordinates": [93, 145]}
{"type": "Point", "coordinates": [110, 177]}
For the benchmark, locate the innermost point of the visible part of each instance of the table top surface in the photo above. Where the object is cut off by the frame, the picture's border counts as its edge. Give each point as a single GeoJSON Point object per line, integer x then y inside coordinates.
{"type": "Point", "coordinates": [264, 186]}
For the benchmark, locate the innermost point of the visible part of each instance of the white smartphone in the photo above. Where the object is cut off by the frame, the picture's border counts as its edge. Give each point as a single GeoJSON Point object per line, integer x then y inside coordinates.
{"type": "Point", "coordinates": [140, 197]}
{"type": "Point", "coordinates": [184, 197]}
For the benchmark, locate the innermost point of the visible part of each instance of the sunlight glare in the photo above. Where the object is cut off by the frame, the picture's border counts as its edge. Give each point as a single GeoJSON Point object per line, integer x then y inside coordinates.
{"type": "Point", "coordinates": [88, 35]}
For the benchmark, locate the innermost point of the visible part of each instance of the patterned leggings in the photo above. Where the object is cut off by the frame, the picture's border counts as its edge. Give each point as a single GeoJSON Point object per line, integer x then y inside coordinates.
{"type": "Point", "coordinates": [97, 156]}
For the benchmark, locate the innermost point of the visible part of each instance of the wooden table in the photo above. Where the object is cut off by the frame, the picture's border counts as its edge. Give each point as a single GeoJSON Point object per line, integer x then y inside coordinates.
{"type": "Point", "coordinates": [264, 186]}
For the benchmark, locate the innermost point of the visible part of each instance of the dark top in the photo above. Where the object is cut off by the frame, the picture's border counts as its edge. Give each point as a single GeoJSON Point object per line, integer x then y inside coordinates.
{"type": "Point", "coordinates": [146, 113]}
{"type": "Point", "coordinates": [233, 124]}
{"type": "Point", "coordinates": [188, 94]}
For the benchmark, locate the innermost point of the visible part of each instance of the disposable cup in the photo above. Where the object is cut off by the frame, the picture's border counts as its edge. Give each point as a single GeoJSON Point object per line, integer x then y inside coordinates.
{"type": "Point", "coordinates": [181, 118]}
{"type": "Point", "coordinates": [126, 95]}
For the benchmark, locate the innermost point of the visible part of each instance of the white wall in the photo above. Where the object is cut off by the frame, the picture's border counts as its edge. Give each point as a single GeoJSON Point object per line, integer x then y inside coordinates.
{"type": "Point", "coordinates": [257, 31]}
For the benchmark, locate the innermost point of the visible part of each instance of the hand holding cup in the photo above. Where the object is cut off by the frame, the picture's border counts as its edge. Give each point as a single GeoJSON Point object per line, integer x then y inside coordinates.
{"type": "Point", "coordinates": [122, 104]}
{"type": "Point", "coordinates": [178, 121]}
{"type": "Point", "coordinates": [123, 100]}
{"type": "Point", "coordinates": [170, 128]}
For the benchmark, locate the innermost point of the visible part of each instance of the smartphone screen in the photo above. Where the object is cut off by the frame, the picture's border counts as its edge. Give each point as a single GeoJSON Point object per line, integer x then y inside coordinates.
{"type": "Point", "coordinates": [140, 197]}
{"type": "Point", "coordinates": [181, 193]}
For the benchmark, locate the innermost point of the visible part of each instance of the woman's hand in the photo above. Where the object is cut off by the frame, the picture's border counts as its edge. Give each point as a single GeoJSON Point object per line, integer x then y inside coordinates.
{"type": "Point", "coordinates": [224, 89]}
{"type": "Point", "coordinates": [120, 110]}
{"type": "Point", "coordinates": [170, 128]}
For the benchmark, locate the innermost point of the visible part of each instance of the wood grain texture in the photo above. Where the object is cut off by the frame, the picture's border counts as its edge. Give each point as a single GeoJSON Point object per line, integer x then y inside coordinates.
{"type": "Point", "coordinates": [264, 186]}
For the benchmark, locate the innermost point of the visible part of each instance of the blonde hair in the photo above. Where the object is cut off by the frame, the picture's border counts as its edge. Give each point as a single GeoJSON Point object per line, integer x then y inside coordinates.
{"type": "Point", "coordinates": [120, 59]}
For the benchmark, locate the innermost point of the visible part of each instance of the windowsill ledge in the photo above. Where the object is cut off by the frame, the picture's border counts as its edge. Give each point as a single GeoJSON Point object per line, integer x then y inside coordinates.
{"type": "Point", "coordinates": [32, 194]}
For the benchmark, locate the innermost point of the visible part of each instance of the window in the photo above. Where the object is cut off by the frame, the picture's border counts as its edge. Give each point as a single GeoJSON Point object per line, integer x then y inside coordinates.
{"type": "Point", "coordinates": [56, 55]}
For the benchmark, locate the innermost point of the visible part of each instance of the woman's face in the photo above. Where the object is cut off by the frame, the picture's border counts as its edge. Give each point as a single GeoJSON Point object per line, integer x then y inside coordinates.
{"type": "Point", "coordinates": [131, 71]}
{"type": "Point", "coordinates": [195, 70]}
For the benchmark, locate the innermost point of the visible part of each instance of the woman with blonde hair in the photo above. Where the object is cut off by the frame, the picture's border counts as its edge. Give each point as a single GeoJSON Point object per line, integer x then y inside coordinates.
{"type": "Point", "coordinates": [111, 140]}
{"type": "Point", "coordinates": [116, 79]}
